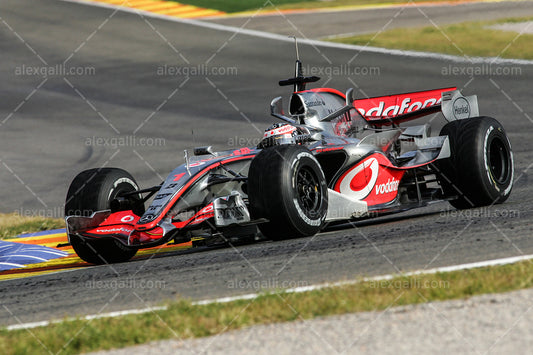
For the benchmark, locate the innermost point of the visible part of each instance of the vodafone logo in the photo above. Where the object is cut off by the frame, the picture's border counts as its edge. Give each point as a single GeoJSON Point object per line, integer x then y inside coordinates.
{"type": "Point", "coordinates": [406, 106]}
{"type": "Point", "coordinates": [389, 186]}
{"type": "Point", "coordinates": [285, 129]}
{"type": "Point", "coordinates": [114, 230]}
{"type": "Point", "coordinates": [127, 219]}
{"type": "Point", "coordinates": [206, 209]}
{"type": "Point", "coordinates": [360, 181]}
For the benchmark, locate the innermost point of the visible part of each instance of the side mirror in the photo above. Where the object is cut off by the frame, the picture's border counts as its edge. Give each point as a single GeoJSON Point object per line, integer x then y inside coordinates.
{"type": "Point", "coordinates": [276, 110]}
{"type": "Point", "coordinates": [349, 97]}
{"type": "Point", "coordinates": [204, 150]}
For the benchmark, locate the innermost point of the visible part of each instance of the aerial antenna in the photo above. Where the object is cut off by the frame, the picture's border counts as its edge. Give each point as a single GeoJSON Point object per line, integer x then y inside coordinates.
{"type": "Point", "coordinates": [299, 79]}
{"type": "Point", "coordinates": [296, 45]}
{"type": "Point", "coordinates": [298, 70]}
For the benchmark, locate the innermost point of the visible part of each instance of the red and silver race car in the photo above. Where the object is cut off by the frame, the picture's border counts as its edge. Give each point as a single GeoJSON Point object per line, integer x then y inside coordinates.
{"type": "Point", "coordinates": [332, 159]}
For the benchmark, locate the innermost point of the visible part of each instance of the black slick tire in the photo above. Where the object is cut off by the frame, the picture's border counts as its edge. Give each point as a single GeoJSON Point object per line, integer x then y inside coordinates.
{"type": "Point", "coordinates": [90, 191]}
{"type": "Point", "coordinates": [286, 185]}
{"type": "Point", "coordinates": [480, 170]}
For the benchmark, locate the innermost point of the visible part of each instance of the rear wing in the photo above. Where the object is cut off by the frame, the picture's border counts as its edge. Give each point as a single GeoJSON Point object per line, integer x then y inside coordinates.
{"type": "Point", "coordinates": [395, 109]}
{"type": "Point", "coordinates": [323, 105]}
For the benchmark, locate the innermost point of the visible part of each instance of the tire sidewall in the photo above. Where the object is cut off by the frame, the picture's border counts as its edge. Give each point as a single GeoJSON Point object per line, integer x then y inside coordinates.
{"type": "Point", "coordinates": [468, 172]}
{"type": "Point", "coordinates": [294, 163]}
{"type": "Point", "coordinates": [111, 189]}
{"type": "Point", "coordinates": [499, 190]}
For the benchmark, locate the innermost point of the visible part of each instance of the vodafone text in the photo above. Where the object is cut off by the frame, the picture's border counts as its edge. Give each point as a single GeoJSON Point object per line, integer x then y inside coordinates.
{"type": "Point", "coordinates": [394, 110]}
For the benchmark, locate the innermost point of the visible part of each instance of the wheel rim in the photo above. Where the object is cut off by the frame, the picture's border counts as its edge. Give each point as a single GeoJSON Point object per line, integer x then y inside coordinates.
{"type": "Point", "coordinates": [499, 164]}
{"type": "Point", "coordinates": [309, 192]}
{"type": "Point", "coordinates": [117, 192]}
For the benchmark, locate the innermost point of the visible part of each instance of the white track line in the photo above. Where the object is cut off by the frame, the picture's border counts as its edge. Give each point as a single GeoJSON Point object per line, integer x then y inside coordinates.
{"type": "Point", "coordinates": [249, 296]}
{"type": "Point", "coordinates": [89, 317]}
{"type": "Point", "coordinates": [273, 36]}
{"type": "Point", "coordinates": [479, 264]}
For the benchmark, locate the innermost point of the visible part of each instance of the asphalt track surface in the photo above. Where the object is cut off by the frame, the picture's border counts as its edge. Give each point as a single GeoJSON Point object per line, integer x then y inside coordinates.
{"type": "Point", "coordinates": [51, 128]}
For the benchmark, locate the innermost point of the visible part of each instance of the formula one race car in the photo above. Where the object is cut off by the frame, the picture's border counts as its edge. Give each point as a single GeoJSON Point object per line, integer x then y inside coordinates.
{"type": "Point", "coordinates": [332, 159]}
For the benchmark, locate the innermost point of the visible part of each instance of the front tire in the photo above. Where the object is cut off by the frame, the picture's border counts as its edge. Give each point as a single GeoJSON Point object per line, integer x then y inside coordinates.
{"type": "Point", "coordinates": [90, 191]}
{"type": "Point", "coordinates": [286, 185]}
{"type": "Point", "coordinates": [480, 169]}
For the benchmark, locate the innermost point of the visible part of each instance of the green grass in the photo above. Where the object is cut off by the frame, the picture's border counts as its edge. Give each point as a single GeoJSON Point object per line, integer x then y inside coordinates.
{"type": "Point", "coordinates": [184, 320]}
{"type": "Point", "coordinates": [468, 38]}
{"type": "Point", "coordinates": [248, 5]}
{"type": "Point", "coordinates": [234, 5]}
{"type": "Point", "coordinates": [13, 224]}
{"type": "Point", "coordinates": [341, 3]}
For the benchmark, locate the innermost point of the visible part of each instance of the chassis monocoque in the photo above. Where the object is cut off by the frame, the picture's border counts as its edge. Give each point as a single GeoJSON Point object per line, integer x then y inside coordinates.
{"type": "Point", "coordinates": [332, 159]}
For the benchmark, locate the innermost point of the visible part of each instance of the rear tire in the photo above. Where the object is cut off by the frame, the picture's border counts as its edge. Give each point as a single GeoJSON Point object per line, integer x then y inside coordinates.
{"type": "Point", "coordinates": [90, 191]}
{"type": "Point", "coordinates": [287, 186]}
{"type": "Point", "coordinates": [480, 169]}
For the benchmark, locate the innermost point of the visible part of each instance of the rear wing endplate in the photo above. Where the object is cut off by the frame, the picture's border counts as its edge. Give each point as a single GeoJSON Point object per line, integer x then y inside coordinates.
{"type": "Point", "coordinates": [455, 106]}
